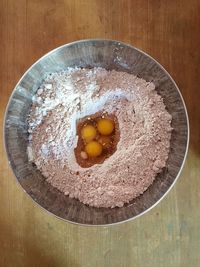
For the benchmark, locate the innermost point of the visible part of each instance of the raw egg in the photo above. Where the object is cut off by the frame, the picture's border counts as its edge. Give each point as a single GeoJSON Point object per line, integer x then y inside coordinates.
{"type": "Point", "coordinates": [88, 133]}
{"type": "Point", "coordinates": [105, 126]}
{"type": "Point", "coordinates": [93, 149]}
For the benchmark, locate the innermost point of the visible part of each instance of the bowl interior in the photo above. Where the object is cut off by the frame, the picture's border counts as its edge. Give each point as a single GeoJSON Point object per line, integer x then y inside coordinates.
{"type": "Point", "coordinates": [92, 53]}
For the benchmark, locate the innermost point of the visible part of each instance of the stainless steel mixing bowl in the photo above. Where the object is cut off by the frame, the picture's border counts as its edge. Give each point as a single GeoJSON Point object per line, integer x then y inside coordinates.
{"type": "Point", "coordinates": [108, 54]}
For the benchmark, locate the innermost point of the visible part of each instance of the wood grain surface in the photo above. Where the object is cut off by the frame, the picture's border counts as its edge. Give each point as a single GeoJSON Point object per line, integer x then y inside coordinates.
{"type": "Point", "coordinates": [168, 235]}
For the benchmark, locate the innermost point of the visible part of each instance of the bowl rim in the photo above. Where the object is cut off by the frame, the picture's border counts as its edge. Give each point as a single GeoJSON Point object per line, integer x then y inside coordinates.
{"type": "Point", "coordinates": [165, 71]}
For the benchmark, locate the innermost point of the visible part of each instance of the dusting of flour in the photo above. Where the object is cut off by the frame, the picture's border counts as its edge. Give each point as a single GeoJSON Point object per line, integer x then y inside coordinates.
{"type": "Point", "coordinates": [145, 132]}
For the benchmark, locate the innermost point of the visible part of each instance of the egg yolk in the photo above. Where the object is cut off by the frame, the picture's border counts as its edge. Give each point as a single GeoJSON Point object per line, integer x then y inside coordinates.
{"type": "Point", "coordinates": [93, 149]}
{"type": "Point", "coordinates": [105, 126]}
{"type": "Point", "coordinates": [88, 133]}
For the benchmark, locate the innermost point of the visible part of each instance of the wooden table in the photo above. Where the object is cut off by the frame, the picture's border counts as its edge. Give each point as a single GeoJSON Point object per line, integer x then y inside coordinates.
{"type": "Point", "coordinates": [168, 235]}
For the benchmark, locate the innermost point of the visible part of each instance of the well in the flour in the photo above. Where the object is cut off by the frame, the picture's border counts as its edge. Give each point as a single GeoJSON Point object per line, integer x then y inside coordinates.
{"type": "Point", "coordinates": [129, 149]}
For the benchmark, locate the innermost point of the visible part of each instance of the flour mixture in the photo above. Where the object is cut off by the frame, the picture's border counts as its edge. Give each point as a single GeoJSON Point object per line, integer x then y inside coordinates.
{"type": "Point", "coordinates": [142, 147]}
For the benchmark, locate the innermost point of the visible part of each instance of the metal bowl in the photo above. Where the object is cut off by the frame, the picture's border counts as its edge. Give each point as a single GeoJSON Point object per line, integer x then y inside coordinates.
{"type": "Point", "coordinates": [108, 54]}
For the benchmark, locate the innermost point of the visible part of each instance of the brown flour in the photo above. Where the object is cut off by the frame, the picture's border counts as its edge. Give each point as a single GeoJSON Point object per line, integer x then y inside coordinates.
{"type": "Point", "coordinates": [144, 126]}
